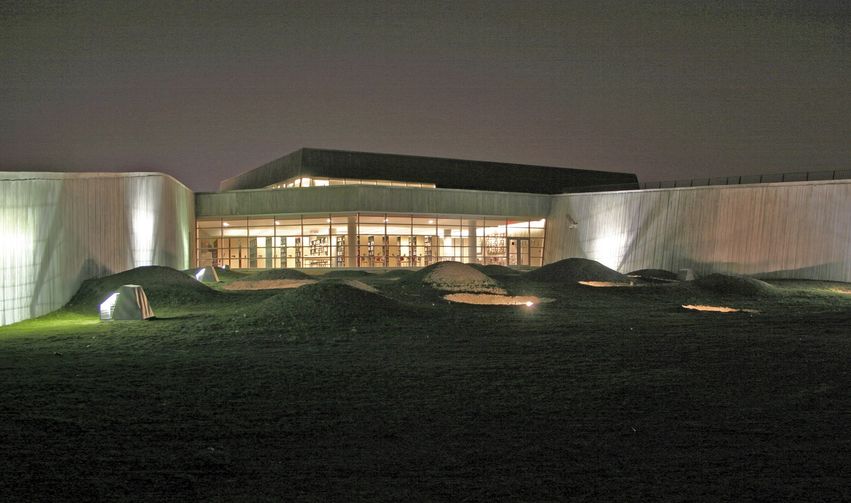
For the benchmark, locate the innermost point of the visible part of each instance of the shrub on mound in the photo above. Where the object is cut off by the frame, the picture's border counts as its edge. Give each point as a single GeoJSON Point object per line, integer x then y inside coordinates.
{"type": "Point", "coordinates": [572, 270]}
{"type": "Point", "coordinates": [329, 303]}
{"type": "Point", "coordinates": [734, 285]}
{"type": "Point", "coordinates": [454, 277]}
{"type": "Point", "coordinates": [654, 274]}
{"type": "Point", "coordinates": [163, 286]}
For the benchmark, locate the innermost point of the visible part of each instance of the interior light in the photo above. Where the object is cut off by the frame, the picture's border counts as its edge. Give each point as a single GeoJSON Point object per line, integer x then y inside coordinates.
{"type": "Point", "coordinates": [198, 275]}
{"type": "Point", "coordinates": [529, 303]}
{"type": "Point", "coordinates": [226, 224]}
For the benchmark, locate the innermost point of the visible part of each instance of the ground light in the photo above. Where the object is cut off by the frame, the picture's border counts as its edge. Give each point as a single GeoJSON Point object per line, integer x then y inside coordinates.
{"type": "Point", "coordinates": [605, 284]}
{"type": "Point", "coordinates": [716, 309]}
{"type": "Point", "coordinates": [490, 299]}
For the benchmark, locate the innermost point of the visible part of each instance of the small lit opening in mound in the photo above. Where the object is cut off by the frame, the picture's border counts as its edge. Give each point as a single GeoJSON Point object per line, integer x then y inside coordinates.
{"type": "Point", "coordinates": [489, 299]}
{"type": "Point", "coordinates": [717, 309]}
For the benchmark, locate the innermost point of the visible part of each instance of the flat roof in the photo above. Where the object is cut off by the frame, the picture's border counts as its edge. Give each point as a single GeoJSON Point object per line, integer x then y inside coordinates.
{"type": "Point", "coordinates": [444, 173]}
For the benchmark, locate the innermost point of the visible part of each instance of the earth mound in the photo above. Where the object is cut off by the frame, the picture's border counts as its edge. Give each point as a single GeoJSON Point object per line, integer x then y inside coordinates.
{"type": "Point", "coordinates": [455, 277]}
{"type": "Point", "coordinates": [654, 274]}
{"type": "Point", "coordinates": [360, 285]}
{"type": "Point", "coordinates": [272, 274]}
{"type": "Point", "coordinates": [734, 285]}
{"type": "Point", "coordinates": [267, 284]}
{"type": "Point", "coordinates": [572, 270]}
{"type": "Point", "coordinates": [163, 286]}
{"type": "Point", "coordinates": [346, 273]}
{"type": "Point", "coordinates": [229, 274]}
{"type": "Point", "coordinates": [397, 273]}
{"type": "Point", "coordinates": [329, 303]}
{"type": "Point", "coordinates": [495, 270]}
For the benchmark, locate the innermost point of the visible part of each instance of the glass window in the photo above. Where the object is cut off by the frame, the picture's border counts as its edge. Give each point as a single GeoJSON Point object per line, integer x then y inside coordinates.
{"type": "Point", "coordinates": [342, 219]}
{"type": "Point", "coordinates": [518, 229]}
{"type": "Point", "coordinates": [261, 231]}
{"type": "Point", "coordinates": [394, 240]}
{"type": "Point", "coordinates": [288, 221]}
{"type": "Point", "coordinates": [209, 233]}
{"type": "Point", "coordinates": [427, 220]}
{"type": "Point", "coordinates": [209, 223]}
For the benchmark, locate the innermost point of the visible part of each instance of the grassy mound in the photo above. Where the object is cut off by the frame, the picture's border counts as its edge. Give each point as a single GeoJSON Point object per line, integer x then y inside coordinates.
{"type": "Point", "coordinates": [734, 285]}
{"type": "Point", "coordinates": [495, 270]}
{"type": "Point", "coordinates": [654, 274]}
{"type": "Point", "coordinates": [164, 287]}
{"type": "Point", "coordinates": [276, 274]}
{"type": "Point", "coordinates": [193, 271]}
{"type": "Point", "coordinates": [346, 273]}
{"type": "Point", "coordinates": [451, 276]}
{"type": "Point", "coordinates": [572, 270]}
{"type": "Point", "coordinates": [229, 274]}
{"type": "Point", "coordinates": [397, 273]}
{"type": "Point", "coordinates": [329, 303]}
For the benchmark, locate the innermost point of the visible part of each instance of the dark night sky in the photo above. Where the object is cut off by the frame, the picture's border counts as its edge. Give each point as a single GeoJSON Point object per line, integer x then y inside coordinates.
{"type": "Point", "coordinates": [206, 90]}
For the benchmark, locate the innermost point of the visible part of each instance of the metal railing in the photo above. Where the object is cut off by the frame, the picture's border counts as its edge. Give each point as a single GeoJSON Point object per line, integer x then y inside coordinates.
{"type": "Point", "coordinates": [796, 176]}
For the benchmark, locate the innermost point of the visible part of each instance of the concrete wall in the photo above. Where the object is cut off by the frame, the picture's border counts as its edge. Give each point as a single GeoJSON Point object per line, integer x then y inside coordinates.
{"type": "Point", "coordinates": [58, 229]}
{"type": "Point", "coordinates": [782, 230]}
{"type": "Point", "coordinates": [370, 198]}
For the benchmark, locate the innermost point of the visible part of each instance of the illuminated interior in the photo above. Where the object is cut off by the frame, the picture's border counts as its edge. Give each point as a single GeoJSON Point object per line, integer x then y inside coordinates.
{"type": "Point", "coordinates": [367, 240]}
{"type": "Point", "coordinates": [308, 181]}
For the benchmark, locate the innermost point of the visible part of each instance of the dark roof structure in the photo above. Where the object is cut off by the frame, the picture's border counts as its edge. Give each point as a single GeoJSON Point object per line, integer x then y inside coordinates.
{"type": "Point", "coordinates": [444, 173]}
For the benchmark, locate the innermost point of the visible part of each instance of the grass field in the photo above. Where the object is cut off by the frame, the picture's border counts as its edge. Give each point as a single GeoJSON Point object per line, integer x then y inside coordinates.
{"type": "Point", "coordinates": [329, 393]}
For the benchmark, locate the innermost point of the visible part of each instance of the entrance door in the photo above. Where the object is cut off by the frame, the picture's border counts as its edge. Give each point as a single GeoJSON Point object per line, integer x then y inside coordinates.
{"type": "Point", "coordinates": [518, 251]}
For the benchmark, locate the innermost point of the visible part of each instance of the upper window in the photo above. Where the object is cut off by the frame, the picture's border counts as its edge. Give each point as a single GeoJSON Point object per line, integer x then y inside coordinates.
{"type": "Point", "coordinates": [309, 181]}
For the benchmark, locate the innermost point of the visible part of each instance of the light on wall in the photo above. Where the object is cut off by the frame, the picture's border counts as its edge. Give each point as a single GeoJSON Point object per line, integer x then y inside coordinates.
{"type": "Point", "coordinates": [143, 225]}
{"type": "Point", "coordinates": [17, 260]}
{"type": "Point", "coordinates": [607, 250]}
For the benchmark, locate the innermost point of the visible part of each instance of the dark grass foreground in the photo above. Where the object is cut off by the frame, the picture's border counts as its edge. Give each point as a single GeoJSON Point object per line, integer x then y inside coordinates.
{"type": "Point", "coordinates": [329, 394]}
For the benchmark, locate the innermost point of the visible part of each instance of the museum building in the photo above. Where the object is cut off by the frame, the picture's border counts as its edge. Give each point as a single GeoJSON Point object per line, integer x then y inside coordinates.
{"type": "Point", "coordinates": [334, 209]}
{"type": "Point", "coordinates": [325, 209]}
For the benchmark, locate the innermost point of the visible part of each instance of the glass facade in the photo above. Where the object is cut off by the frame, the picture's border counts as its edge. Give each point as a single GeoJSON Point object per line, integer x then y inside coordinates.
{"type": "Point", "coordinates": [367, 240]}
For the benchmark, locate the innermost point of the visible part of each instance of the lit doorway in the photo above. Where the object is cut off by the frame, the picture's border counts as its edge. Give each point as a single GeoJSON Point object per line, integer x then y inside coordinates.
{"type": "Point", "coordinates": [518, 251]}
